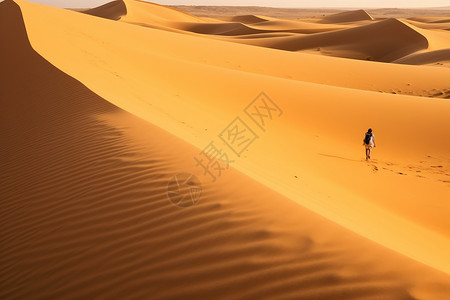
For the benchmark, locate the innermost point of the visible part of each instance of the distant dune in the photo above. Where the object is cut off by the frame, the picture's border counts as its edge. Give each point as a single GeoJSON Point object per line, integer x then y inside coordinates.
{"type": "Point", "coordinates": [347, 16]}
{"type": "Point", "coordinates": [301, 13]}
{"type": "Point", "coordinates": [246, 19]}
{"type": "Point", "coordinates": [112, 10]}
{"type": "Point", "coordinates": [353, 34]}
{"type": "Point", "coordinates": [384, 41]}
{"type": "Point", "coordinates": [431, 19]}
{"type": "Point", "coordinates": [99, 118]}
{"type": "Point", "coordinates": [145, 12]}
{"type": "Point", "coordinates": [432, 57]}
{"type": "Point", "coordinates": [432, 25]}
{"type": "Point", "coordinates": [227, 29]}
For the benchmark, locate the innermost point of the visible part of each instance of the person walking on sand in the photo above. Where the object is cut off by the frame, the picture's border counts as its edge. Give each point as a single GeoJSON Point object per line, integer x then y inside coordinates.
{"type": "Point", "coordinates": [369, 142]}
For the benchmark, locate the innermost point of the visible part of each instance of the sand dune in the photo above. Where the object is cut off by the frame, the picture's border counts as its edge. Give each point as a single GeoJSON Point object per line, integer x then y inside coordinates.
{"type": "Point", "coordinates": [308, 13]}
{"type": "Point", "coordinates": [220, 28]}
{"type": "Point", "coordinates": [382, 41]}
{"type": "Point", "coordinates": [431, 19]}
{"type": "Point", "coordinates": [149, 13]}
{"type": "Point", "coordinates": [296, 26]}
{"type": "Point", "coordinates": [270, 26]}
{"type": "Point", "coordinates": [393, 38]}
{"type": "Point", "coordinates": [349, 48]}
{"type": "Point", "coordinates": [437, 39]}
{"type": "Point", "coordinates": [113, 10]}
{"type": "Point", "coordinates": [431, 57]}
{"type": "Point", "coordinates": [246, 19]}
{"type": "Point", "coordinates": [347, 16]}
{"type": "Point", "coordinates": [426, 25]}
{"type": "Point", "coordinates": [97, 116]}
{"type": "Point", "coordinates": [261, 35]}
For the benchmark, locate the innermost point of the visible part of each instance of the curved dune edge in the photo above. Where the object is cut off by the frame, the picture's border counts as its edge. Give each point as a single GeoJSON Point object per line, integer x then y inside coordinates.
{"type": "Point", "coordinates": [227, 29]}
{"type": "Point", "coordinates": [431, 25]}
{"type": "Point", "coordinates": [86, 207]}
{"type": "Point", "coordinates": [113, 10]}
{"type": "Point", "coordinates": [246, 19]}
{"type": "Point", "coordinates": [149, 14]}
{"type": "Point", "coordinates": [347, 16]}
{"type": "Point", "coordinates": [437, 39]}
{"type": "Point", "coordinates": [383, 41]}
{"type": "Point", "coordinates": [152, 13]}
{"type": "Point", "coordinates": [431, 19]}
{"type": "Point", "coordinates": [430, 57]}
{"type": "Point", "coordinates": [297, 26]}
{"type": "Point", "coordinates": [296, 133]}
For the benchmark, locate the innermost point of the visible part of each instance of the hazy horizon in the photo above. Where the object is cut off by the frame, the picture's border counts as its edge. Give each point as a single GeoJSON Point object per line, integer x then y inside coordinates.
{"type": "Point", "coordinates": [267, 3]}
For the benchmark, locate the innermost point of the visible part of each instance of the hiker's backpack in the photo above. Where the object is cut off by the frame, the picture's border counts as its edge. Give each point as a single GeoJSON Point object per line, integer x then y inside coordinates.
{"type": "Point", "coordinates": [367, 138]}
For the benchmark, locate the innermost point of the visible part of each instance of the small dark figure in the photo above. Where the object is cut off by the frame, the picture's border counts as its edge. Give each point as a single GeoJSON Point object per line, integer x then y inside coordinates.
{"type": "Point", "coordinates": [369, 142]}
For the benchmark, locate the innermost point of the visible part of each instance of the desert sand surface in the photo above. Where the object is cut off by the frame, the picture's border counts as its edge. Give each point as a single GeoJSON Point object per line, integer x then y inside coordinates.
{"type": "Point", "coordinates": [300, 13]}
{"type": "Point", "coordinates": [104, 110]}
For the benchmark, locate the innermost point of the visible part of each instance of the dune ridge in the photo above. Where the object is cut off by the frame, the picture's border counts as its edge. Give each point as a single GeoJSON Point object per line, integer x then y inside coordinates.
{"type": "Point", "coordinates": [227, 29]}
{"type": "Point", "coordinates": [430, 25]}
{"type": "Point", "coordinates": [296, 26]}
{"type": "Point", "coordinates": [113, 10]}
{"type": "Point", "coordinates": [431, 57]}
{"type": "Point", "coordinates": [307, 13]}
{"type": "Point", "coordinates": [347, 16]}
{"type": "Point", "coordinates": [146, 12]}
{"type": "Point", "coordinates": [430, 19]}
{"type": "Point", "coordinates": [246, 19]}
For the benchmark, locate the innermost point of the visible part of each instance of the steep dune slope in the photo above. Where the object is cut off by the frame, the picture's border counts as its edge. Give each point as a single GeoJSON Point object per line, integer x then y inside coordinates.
{"type": "Point", "coordinates": [151, 15]}
{"type": "Point", "coordinates": [347, 16]}
{"type": "Point", "coordinates": [142, 12]}
{"type": "Point", "coordinates": [437, 39]}
{"type": "Point", "coordinates": [435, 20]}
{"type": "Point", "coordinates": [84, 210]}
{"type": "Point", "coordinates": [113, 10]}
{"type": "Point", "coordinates": [430, 25]}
